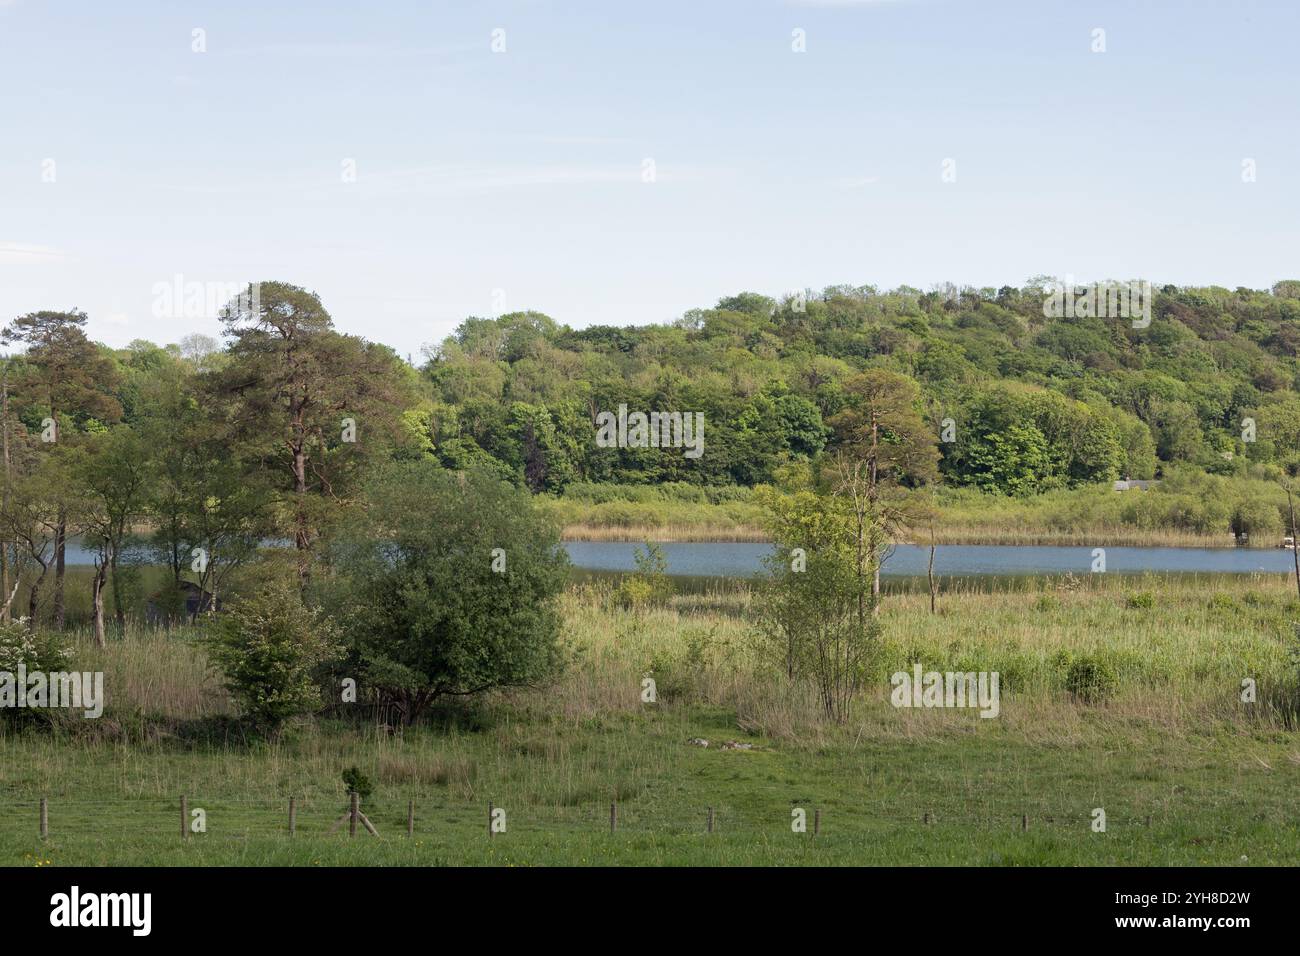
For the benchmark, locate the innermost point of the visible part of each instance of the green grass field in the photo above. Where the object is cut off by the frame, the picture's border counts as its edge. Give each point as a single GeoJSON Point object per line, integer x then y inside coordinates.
{"type": "Point", "coordinates": [1185, 772]}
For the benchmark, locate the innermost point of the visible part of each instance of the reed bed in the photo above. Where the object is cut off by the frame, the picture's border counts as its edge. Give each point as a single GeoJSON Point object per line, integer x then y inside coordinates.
{"type": "Point", "coordinates": [1178, 647]}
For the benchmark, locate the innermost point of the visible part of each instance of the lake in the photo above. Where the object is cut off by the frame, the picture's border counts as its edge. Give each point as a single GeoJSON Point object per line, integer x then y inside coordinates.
{"type": "Point", "coordinates": [739, 559]}
{"type": "Point", "coordinates": [722, 559]}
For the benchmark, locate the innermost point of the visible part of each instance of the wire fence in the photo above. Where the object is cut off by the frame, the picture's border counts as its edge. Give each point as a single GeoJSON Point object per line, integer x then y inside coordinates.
{"type": "Point", "coordinates": [190, 816]}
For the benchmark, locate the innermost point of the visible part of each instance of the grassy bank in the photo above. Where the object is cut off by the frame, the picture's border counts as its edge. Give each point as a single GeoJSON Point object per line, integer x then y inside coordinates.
{"type": "Point", "coordinates": [1170, 741]}
{"type": "Point", "coordinates": [1184, 510]}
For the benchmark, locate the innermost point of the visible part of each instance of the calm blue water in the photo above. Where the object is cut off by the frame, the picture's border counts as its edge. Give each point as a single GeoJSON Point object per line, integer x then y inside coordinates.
{"type": "Point", "coordinates": [732, 559]}
{"type": "Point", "coordinates": [739, 560]}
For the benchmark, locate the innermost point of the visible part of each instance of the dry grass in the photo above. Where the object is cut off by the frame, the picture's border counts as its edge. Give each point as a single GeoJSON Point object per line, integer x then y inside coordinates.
{"type": "Point", "coordinates": [1100, 536]}
{"type": "Point", "coordinates": [668, 532]}
{"type": "Point", "coordinates": [1178, 663]}
{"type": "Point", "coordinates": [1109, 537]}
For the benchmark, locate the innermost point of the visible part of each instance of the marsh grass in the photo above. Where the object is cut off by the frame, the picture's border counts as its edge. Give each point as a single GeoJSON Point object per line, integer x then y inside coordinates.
{"type": "Point", "coordinates": [1175, 515]}
{"type": "Point", "coordinates": [1173, 741]}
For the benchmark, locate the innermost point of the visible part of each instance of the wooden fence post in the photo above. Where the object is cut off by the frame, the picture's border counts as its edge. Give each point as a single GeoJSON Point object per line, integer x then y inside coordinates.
{"type": "Point", "coordinates": [926, 819]}
{"type": "Point", "coordinates": [613, 816]}
{"type": "Point", "coordinates": [410, 819]}
{"type": "Point", "coordinates": [352, 814]}
{"type": "Point", "coordinates": [490, 809]}
{"type": "Point", "coordinates": [817, 821]}
{"type": "Point", "coordinates": [710, 820]}
{"type": "Point", "coordinates": [45, 818]}
{"type": "Point", "coordinates": [185, 817]}
{"type": "Point", "coordinates": [1024, 821]}
{"type": "Point", "coordinates": [293, 815]}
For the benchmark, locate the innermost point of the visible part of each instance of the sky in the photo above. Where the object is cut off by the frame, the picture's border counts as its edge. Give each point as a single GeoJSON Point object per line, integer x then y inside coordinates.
{"type": "Point", "coordinates": [614, 162]}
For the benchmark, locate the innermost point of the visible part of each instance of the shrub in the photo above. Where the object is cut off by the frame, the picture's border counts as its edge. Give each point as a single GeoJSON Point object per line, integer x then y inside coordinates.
{"type": "Point", "coordinates": [357, 782]}
{"type": "Point", "coordinates": [681, 674]}
{"type": "Point", "coordinates": [34, 652]}
{"type": "Point", "coordinates": [1091, 679]}
{"type": "Point", "coordinates": [634, 592]}
{"type": "Point", "coordinates": [270, 647]}
{"type": "Point", "coordinates": [1141, 600]}
{"type": "Point", "coordinates": [650, 583]}
{"type": "Point", "coordinates": [1223, 602]}
{"type": "Point", "coordinates": [446, 585]}
{"type": "Point", "coordinates": [1047, 603]}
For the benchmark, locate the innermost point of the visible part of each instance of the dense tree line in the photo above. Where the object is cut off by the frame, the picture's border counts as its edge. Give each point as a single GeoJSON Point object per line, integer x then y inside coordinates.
{"type": "Point", "coordinates": [1035, 403]}
{"type": "Point", "coordinates": [205, 453]}
{"type": "Point", "coordinates": [207, 450]}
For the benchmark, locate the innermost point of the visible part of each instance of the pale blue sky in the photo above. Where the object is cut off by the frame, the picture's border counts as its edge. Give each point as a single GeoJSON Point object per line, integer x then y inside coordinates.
{"type": "Point", "coordinates": [522, 171]}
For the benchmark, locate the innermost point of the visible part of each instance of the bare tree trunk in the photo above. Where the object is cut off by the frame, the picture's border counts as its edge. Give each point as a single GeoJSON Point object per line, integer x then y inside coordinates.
{"type": "Point", "coordinates": [302, 537]}
{"type": "Point", "coordinates": [60, 567]}
{"type": "Point", "coordinates": [861, 557]}
{"type": "Point", "coordinates": [119, 609]}
{"type": "Point", "coordinates": [1295, 545]}
{"type": "Point", "coordinates": [876, 552]}
{"type": "Point", "coordinates": [97, 598]}
{"type": "Point", "coordinates": [6, 611]}
{"type": "Point", "coordinates": [34, 598]}
{"type": "Point", "coordinates": [930, 570]}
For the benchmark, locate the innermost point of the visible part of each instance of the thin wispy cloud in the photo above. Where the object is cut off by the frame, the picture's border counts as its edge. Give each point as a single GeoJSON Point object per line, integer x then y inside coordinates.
{"type": "Point", "coordinates": [26, 253]}
{"type": "Point", "coordinates": [857, 182]}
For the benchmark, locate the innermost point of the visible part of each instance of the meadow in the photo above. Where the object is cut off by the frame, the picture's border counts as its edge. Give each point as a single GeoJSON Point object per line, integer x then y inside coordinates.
{"type": "Point", "coordinates": [1185, 771]}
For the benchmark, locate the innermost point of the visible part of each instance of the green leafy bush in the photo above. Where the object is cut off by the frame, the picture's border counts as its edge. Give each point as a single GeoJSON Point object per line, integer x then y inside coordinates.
{"type": "Point", "coordinates": [650, 584]}
{"type": "Point", "coordinates": [1223, 602]}
{"type": "Point", "coordinates": [37, 651]}
{"type": "Point", "coordinates": [1140, 600]}
{"type": "Point", "coordinates": [357, 782]}
{"type": "Point", "coordinates": [270, 648]}
{"type": "Point", "coordinates": [1091, 679]}
{"type": "Point", "coordinates": [446, 584]}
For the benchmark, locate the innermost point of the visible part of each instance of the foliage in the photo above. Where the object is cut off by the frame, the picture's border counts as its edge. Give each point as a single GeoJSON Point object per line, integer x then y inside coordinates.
{"type": "Point", "coordinates": [34, 650]}
{"type": "Point", "coordinates": [810, 603]}
{"type": "Point", "coordinates": [356, 781]}
{"type": "Point", "coordinates": [429, 609]}
{"type": "Point", "coordinates": [304, 401]}
{"type": "Point", "coordinates": [1091, 678]}
{"type": "Point", "coordinates": [649, 584]}
{"type": "Point", "coordinates": [270, 648]}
